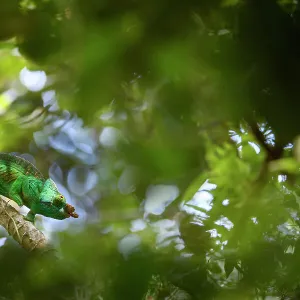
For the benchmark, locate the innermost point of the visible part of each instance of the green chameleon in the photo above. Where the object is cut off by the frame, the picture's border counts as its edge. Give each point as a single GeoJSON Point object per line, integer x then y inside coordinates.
{"type": "Point", "coordinates": [23, 183]}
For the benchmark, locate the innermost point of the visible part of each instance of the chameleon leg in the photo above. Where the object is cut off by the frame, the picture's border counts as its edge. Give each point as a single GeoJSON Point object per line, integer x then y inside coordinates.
{"type": "Point", "coordinates": [28, 196]}
{"type": "Point", "coordinates": [30, 216]}
{"type": "Point", "coordinates": [16, 190]}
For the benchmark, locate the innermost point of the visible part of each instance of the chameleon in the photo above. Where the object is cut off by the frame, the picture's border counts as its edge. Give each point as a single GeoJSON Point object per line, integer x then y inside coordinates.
{"type": "Point", "coordinates": [23, 183]}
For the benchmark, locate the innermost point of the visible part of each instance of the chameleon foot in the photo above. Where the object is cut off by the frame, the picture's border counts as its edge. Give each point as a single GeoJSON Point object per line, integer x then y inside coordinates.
{"type": "Point", "coordinates": [30, 217]}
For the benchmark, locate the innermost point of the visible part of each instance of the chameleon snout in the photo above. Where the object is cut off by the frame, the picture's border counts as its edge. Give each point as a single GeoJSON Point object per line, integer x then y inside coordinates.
{"type": "Point", "coordinates": [70, 210]}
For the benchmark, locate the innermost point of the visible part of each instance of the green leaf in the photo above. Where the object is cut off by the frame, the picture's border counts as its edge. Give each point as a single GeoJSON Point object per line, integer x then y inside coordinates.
{"type": "Point", "coordinates": [196, 208]}
{"type": "Point", "coordinates": [194, 187]}
{"type": "Point", "coordinates": [289, 165]}
{"type": "Point", "coordinates": [229, 265]}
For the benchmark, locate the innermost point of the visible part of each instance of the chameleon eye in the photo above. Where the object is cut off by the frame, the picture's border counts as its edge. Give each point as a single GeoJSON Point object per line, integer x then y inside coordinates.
{"type": "Point", "coordinates": [59, 201]}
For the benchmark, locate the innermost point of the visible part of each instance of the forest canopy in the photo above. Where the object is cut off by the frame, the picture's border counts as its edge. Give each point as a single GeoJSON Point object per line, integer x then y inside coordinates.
{"type": "Point", "coordinates": [172, 127]}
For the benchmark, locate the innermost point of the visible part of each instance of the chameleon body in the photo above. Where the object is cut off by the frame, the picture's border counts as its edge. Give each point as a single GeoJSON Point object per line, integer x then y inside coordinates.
{"type": "Point", "coordinates": [23, 183]}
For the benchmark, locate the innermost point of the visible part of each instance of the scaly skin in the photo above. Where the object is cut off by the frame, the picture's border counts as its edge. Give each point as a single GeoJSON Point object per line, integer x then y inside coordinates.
{"type": "Point", "coordinates": [23, 183]}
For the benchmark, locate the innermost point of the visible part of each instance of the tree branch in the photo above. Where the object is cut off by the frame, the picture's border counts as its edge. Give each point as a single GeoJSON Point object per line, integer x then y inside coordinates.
{"type": "Point", "coordinates": [22, 231]}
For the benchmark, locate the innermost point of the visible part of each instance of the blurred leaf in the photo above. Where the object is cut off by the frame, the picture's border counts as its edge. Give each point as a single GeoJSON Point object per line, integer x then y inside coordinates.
{"type": "Point", "coordinates": [289, 165]}
{"type": "Point", "coordinates": [193, 188]}
{"type": "Point", "coordinates": [229, 265]}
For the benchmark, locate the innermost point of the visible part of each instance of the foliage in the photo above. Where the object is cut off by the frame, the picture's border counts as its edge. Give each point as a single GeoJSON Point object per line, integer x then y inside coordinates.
{"type": "Point", "coordinates": [172, 128]}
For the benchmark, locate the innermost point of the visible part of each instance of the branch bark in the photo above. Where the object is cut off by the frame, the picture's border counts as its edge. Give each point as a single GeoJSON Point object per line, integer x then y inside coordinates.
{"type": "Point", "coordinates": [22, 231]}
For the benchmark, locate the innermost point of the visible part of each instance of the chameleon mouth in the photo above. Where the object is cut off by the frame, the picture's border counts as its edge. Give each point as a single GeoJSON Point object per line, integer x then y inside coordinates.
{"type": "Point", "coordinates": [70, 210]}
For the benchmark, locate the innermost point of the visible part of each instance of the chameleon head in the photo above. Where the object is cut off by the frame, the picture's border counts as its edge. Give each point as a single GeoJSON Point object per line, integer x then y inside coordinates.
{"type": "Point", "coordinates": [57, 208]}
{"type": "Point", "coordinates": [52, 203]}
